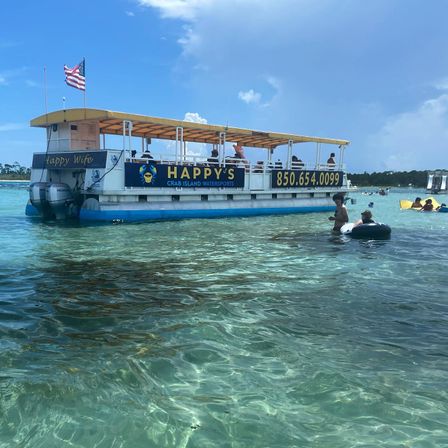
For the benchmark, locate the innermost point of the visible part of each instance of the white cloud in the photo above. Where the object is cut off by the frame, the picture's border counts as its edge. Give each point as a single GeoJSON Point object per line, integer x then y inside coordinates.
{"type": "Point", "coordinates": [177, 9]}
{"type": "Point", "coordinates": [275, 84]}
{"type": "Point", "coordinates": [194, 117]}
{"type": "Point", "coordinates": [413, 140]}
{"type": "Point", "coordinates": [196, 149]}
{"type": "Point", "coordinates": [250, 97]}
{"type": "Point", "coordinates": [130, 13]}
{"type": "Point", "coordinates": [190, 41]}
{"type": "Point", "coordinates": [3, 81]}
{"type": "Point", "coordinates": [11, 127]}
{"type": "Point", "coordinates": [441, 84]}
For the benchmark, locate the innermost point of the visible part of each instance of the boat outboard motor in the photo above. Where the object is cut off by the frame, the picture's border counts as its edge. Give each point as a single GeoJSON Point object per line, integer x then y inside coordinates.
{"type": "Point", "coordinates": [59, 197]}
{"type": "Point", "coordinates": [38, 197]}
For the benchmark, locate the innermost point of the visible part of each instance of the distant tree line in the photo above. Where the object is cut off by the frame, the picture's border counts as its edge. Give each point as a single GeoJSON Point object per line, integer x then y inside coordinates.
{"type": "Point", "coordinates": [14, 171]}
{"type": "Point", "coordinates": [416, 179]}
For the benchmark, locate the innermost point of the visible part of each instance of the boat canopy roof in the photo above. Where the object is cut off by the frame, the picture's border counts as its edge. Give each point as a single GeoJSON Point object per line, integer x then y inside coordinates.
{"type": "Point", "coordinates": [165, 128]}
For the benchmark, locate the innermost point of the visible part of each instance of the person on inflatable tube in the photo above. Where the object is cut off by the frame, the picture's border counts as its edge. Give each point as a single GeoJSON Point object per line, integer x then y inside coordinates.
{"type": "Point", "coordinates": [366, 218]}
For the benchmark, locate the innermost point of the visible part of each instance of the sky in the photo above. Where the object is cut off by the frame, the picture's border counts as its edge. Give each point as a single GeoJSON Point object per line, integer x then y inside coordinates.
{"type": "Point", "coordinates": [374, 72]}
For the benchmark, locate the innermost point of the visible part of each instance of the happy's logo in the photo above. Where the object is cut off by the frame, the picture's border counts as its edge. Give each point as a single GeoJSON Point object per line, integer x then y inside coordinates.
{"type": "Point", "coordinates": [148, 174]}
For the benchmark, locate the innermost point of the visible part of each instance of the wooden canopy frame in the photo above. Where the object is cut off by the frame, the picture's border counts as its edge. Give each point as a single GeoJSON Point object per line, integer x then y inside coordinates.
{"type": "Point", "coordinates": [165, 128]}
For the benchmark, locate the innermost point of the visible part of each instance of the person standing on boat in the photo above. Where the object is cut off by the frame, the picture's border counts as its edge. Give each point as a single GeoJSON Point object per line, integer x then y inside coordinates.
{"type": "Point", "coordinates": [331, 162]}
{"type": "Point", "coordinates": [239, 151]}
{"type": "Point", "coordinates": [340, 215]}
{"type": "Point", "coordinates": [239, 154]}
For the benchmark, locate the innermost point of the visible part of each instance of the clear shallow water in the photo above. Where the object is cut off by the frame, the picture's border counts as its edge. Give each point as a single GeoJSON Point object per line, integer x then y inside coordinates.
{"type": "Point", "coordinates": [257, 332]}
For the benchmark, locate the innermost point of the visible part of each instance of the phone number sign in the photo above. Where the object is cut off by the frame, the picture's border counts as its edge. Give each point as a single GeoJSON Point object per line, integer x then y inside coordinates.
{"type": "Point", "coordinates": [306, 179]}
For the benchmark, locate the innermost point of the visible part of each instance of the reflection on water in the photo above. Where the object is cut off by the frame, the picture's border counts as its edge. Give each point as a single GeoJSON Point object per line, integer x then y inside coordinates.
{"type": "Point", "coordinates": [233, 332]}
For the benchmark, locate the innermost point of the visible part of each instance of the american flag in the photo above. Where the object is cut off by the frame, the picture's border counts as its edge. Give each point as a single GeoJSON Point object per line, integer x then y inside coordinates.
{"type": "Point", "coordinates": [76, 76]}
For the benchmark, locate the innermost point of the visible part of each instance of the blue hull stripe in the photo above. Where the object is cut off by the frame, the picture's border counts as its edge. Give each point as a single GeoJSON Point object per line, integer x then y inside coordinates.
{"type": "Point", "coordinates": [164, 215]}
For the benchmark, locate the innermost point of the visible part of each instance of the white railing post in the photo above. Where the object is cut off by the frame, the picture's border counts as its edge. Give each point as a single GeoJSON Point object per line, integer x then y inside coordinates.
{"type": "Point", "coordinates": [341, 156]}
{"type": "Point", "coordinates": [317, 156]}
{"type": "Point", "coordinates": [288, 160]}
{"type": "Point", "coordinates": [179, 141]}
{"type": "Point", "coordinates": [222, 148]}
{"type": "Point", "coordinates": [127, 127]}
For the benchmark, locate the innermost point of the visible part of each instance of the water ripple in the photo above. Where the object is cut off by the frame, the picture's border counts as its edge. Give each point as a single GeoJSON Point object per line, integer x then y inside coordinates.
{"type": "Point", "coordinates": [232, 333]}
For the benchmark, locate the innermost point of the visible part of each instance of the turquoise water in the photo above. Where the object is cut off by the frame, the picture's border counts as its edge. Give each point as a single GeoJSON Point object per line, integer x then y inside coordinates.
{"type": "Point", "coordinates": [257, 332]}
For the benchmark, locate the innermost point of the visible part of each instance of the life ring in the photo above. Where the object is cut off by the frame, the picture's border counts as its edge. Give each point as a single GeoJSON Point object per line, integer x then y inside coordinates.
{"type": "Point", "coordinates": [371, 231]}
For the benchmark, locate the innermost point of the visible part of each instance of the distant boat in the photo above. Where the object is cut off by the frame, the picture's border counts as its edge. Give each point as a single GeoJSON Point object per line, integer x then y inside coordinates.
{"type": "Point", "coordinates": [437, 182]}
{"type": "Point", "coordinates": [80, 176]}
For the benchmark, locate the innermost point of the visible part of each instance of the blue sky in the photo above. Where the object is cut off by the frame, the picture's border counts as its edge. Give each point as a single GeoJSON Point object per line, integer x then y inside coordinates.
{"type": "Point", "coordinates": [374, 72]}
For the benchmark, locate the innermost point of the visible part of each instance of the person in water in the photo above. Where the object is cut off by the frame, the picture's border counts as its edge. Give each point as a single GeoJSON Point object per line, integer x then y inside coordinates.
{"type": "Point", "coordinates": [428, 207]}
{"type": "Point", "coordinates": [417, 203]}
{"type": "Point", "coordinates": [366, 218]}
{"type": "Point", "coordinates": [340, 215]}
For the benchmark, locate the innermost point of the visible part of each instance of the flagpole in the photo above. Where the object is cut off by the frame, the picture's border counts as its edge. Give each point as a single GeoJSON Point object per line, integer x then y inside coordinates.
{"type": "Point", "coordinates": [45, 90]}
{"type": "Point", "coordinates": [84, 64]}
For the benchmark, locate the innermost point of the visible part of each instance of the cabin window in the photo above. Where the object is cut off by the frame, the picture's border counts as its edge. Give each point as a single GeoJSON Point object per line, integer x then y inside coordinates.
{"type": "Point", "coordinates": [73, 127]}
{"type": "Point", "coordinates": [274, 196]}
{"type": "Point", "coordinates": [175, 198]}
{"type": "Point", "coordinates": [294, 195]}
{"type": "Point", "coordinates": [142, 198]}
{"type": "Point", "coordinates": [311, 195]}
{"type": "Point", "coordinates": [230, 197]}
{"type": "Point", "coordinates": [253, 196]}
{"type": "Point", "coordinates": [204, 197]}
{"type": "Point", "coordinates": [328, 195]}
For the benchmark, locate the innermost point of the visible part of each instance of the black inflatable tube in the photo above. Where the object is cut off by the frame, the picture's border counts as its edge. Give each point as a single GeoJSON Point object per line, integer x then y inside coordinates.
{"type": "Point", "coordinates": [373, 231]}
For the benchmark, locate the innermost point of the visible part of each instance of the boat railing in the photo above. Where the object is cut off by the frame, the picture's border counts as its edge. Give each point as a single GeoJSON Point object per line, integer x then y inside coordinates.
{"type": "Point", "coordinates": [259, 167]}
{"type": "Point", "coordinates": [249, 166]}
